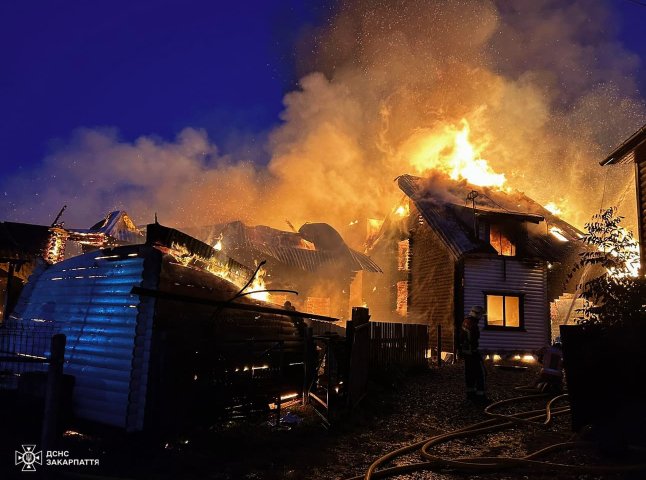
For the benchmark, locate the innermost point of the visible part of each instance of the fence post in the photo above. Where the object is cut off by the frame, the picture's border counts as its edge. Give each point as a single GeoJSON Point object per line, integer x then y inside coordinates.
{"type": "Point", "coordinates": [439, 345]}
{"type": "Point", "coordinates": [5, 306]}
{"type": "Point", "coordinates": [309, 363]}
{"type": "Point", "coordinates": [53, 392]}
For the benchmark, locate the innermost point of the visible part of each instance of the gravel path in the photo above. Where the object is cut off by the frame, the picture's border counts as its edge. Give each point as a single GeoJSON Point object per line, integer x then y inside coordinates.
{"type": "Point", "coordinates": [400, 410]}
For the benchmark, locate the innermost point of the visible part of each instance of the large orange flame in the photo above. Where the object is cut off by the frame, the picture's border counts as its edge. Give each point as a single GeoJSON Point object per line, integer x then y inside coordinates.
{"type": "Point", "coordinates": [450, 151]}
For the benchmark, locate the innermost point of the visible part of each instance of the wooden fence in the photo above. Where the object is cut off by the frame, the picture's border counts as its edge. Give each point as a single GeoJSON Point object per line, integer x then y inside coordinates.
{"type": "Point", "coordinates": [401, 344]}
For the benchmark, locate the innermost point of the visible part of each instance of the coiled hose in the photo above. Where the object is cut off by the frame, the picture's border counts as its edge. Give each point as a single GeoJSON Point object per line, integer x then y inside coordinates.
{"type": "Point", "coordinates": [540, 417]}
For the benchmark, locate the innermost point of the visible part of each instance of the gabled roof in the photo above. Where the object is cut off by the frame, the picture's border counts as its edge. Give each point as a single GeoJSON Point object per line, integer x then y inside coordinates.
{"type": "Point", "coordinates": [624, 152]}
{"type": "Point", "coordinates": [116, 226]}
{"type": "Point", "coordinates": [443, 204]}
{"type": "Point", "coordinates": [314, 246]}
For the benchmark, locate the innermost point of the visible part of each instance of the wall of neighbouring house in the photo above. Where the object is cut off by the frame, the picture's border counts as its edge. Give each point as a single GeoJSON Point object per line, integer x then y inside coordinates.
{"type": "Point", "coordinates": [380, 289]}
{"type": "Point", "coordinates": [432, 285]}
{"type": "Point", "coordinates": [498, 273]}
{"type": "Point", "coordinates": [640, 179]}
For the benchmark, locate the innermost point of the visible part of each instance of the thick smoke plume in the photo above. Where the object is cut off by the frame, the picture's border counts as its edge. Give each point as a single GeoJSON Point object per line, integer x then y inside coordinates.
{"type": "Point", "coordinates": [545, 86]}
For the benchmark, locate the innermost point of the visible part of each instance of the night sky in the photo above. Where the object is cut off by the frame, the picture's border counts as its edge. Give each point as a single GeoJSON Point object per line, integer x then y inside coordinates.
{"type": "Point", "coordinates": [153, 68]}
{"type": "Point", "coordinates": [145, 67]}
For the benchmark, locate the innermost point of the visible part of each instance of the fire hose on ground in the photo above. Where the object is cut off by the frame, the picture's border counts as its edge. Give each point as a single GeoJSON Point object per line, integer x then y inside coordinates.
{"type": "Point", "coordinates": [541, 418]}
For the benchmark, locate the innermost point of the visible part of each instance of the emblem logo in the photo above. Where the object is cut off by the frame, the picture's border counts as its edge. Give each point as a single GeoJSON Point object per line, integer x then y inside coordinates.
{"type": "Point", "coordinates": [29, 458]}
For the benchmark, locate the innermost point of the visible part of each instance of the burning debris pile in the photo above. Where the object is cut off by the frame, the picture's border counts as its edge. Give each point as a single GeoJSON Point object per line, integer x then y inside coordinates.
{"type": "Point", "coordinates": [314, 261]}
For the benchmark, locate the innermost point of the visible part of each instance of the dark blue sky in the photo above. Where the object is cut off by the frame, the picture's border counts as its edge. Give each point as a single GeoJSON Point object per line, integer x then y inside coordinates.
{"type": "Point", "coordinates": [146, 67]}
{"type": "Point", "coordinates": [155, 67]}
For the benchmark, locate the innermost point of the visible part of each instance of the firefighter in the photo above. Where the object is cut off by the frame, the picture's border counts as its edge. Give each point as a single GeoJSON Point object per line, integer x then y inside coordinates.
{"type": "Point", "coordinates": [474, 370]}
{"type": "Point", "coordinates": [551, 376]}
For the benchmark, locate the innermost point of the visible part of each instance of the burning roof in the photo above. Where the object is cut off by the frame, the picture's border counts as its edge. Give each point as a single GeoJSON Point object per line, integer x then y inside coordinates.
{"type": "Point", "coordinates": [314, 246]}
{"type": "Point", "coordinates": [117, 228]}
{"type": "Point", "coordinates": [443, 204]}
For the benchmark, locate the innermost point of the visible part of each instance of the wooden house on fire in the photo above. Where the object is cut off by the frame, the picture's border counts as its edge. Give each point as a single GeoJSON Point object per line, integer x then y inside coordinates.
{"type": "Point", "coordinates": [314, 261]}
{"type": "Point", "coordinates": [451, 246]}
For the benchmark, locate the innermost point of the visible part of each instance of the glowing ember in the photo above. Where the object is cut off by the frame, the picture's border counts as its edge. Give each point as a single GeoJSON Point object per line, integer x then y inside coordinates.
{"type": "Point", "coordinates": [55, 250]}
{"type": "Point", "coordinates": [553, 208]}
{"type": "Point", "coordinates": [220, 269]}
{"type": "Point", "coordinates": [257, 285]}
{"type": "Point", "coordinates": [451, 152]}
{"type": "Point", "coordinates": [632, 256]}
{"type": "Point", "coordinates": [402, 210]}
{"type": "Point", "coordinates": [558, 234]}
{"type": "Point", "coordinates": [218, 245]}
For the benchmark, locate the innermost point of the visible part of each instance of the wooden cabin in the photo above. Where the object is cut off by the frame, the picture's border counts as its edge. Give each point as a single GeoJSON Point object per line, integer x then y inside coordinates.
{"type": "Point", "coordinates": [451, 246]}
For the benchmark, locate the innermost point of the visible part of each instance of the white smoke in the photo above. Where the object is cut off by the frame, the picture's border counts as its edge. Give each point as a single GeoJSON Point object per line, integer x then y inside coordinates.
{"type": "Point", "coordinates": [544, 84]}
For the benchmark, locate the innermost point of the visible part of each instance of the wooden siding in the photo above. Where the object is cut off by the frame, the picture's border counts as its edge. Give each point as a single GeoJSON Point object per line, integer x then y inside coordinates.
{"type": "Point", "coordinates": [380, 289]}
{"type": "Point", "coordinates": [504, 274]}
{"type": "Point", "coordinates": [640, 181]}
{"type": "Point", "coordinates": [432, 285]}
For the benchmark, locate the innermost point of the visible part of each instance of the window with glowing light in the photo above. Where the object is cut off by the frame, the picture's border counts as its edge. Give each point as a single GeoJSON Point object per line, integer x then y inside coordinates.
{"type": "Point", "coordinates": [402, 257]}
{"type": "Point", "coordinates": [504, 311]}
{"type": "Point", "coordinates": [499, 240]}
{"type": "Point", "coordinates": [402, 298]}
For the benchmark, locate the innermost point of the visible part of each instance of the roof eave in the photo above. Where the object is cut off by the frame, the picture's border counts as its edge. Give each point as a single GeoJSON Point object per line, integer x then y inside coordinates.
{"type": "Point", "coordinates": [634, 141]}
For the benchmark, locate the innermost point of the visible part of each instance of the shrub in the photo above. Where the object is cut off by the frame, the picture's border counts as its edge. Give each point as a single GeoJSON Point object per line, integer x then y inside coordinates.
{"type": "Point", "coordinates": [616, 294]}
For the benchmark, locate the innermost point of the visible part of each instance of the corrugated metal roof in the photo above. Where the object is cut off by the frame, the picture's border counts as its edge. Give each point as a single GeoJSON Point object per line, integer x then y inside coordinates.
{"type": "Point", "coordinates": [116, 226]}
{"type": "Point", "coordinates": [290, 248]}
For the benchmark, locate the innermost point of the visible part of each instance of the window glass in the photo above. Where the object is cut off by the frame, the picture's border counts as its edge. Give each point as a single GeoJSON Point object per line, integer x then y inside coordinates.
{"type": "Point", "coordinates": [500, 242]}
{"type": "Point", "coordinates": [512, 311]}
{"type": "Point", "coordinates": [495, 310]}
{"type": "Point", "coordinates": [402, 298]}
{"type": "Point", "coordinates": [402, 259]}
{"type": "Point", "coordinates": [503, 311]}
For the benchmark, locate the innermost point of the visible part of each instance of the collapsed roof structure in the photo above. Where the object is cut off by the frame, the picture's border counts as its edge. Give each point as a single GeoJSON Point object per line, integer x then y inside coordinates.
{"type": "Point", "coordinates": [314, 261]}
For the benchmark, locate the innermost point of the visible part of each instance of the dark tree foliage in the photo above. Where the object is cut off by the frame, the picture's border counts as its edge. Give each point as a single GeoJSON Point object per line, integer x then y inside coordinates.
{"type": "Point", "coordinates": [615, 295]}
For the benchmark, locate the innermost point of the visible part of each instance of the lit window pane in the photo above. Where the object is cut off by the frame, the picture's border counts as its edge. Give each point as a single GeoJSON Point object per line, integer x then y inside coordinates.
{"type": "Point", "coordinates": [402, 261]}
{"type": "Point", "coordinates": [402, 298]}
{"type": "Point", "coordinates": [500, 242]}
{"type": "Point", "coordinates": [494, 310]}
{"type": "Point", "coordinates": [512, 312]}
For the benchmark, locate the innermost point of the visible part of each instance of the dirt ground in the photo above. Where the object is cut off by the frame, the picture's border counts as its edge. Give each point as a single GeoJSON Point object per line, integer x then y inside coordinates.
{"type": "Point", "coordinates": [401, 409]}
